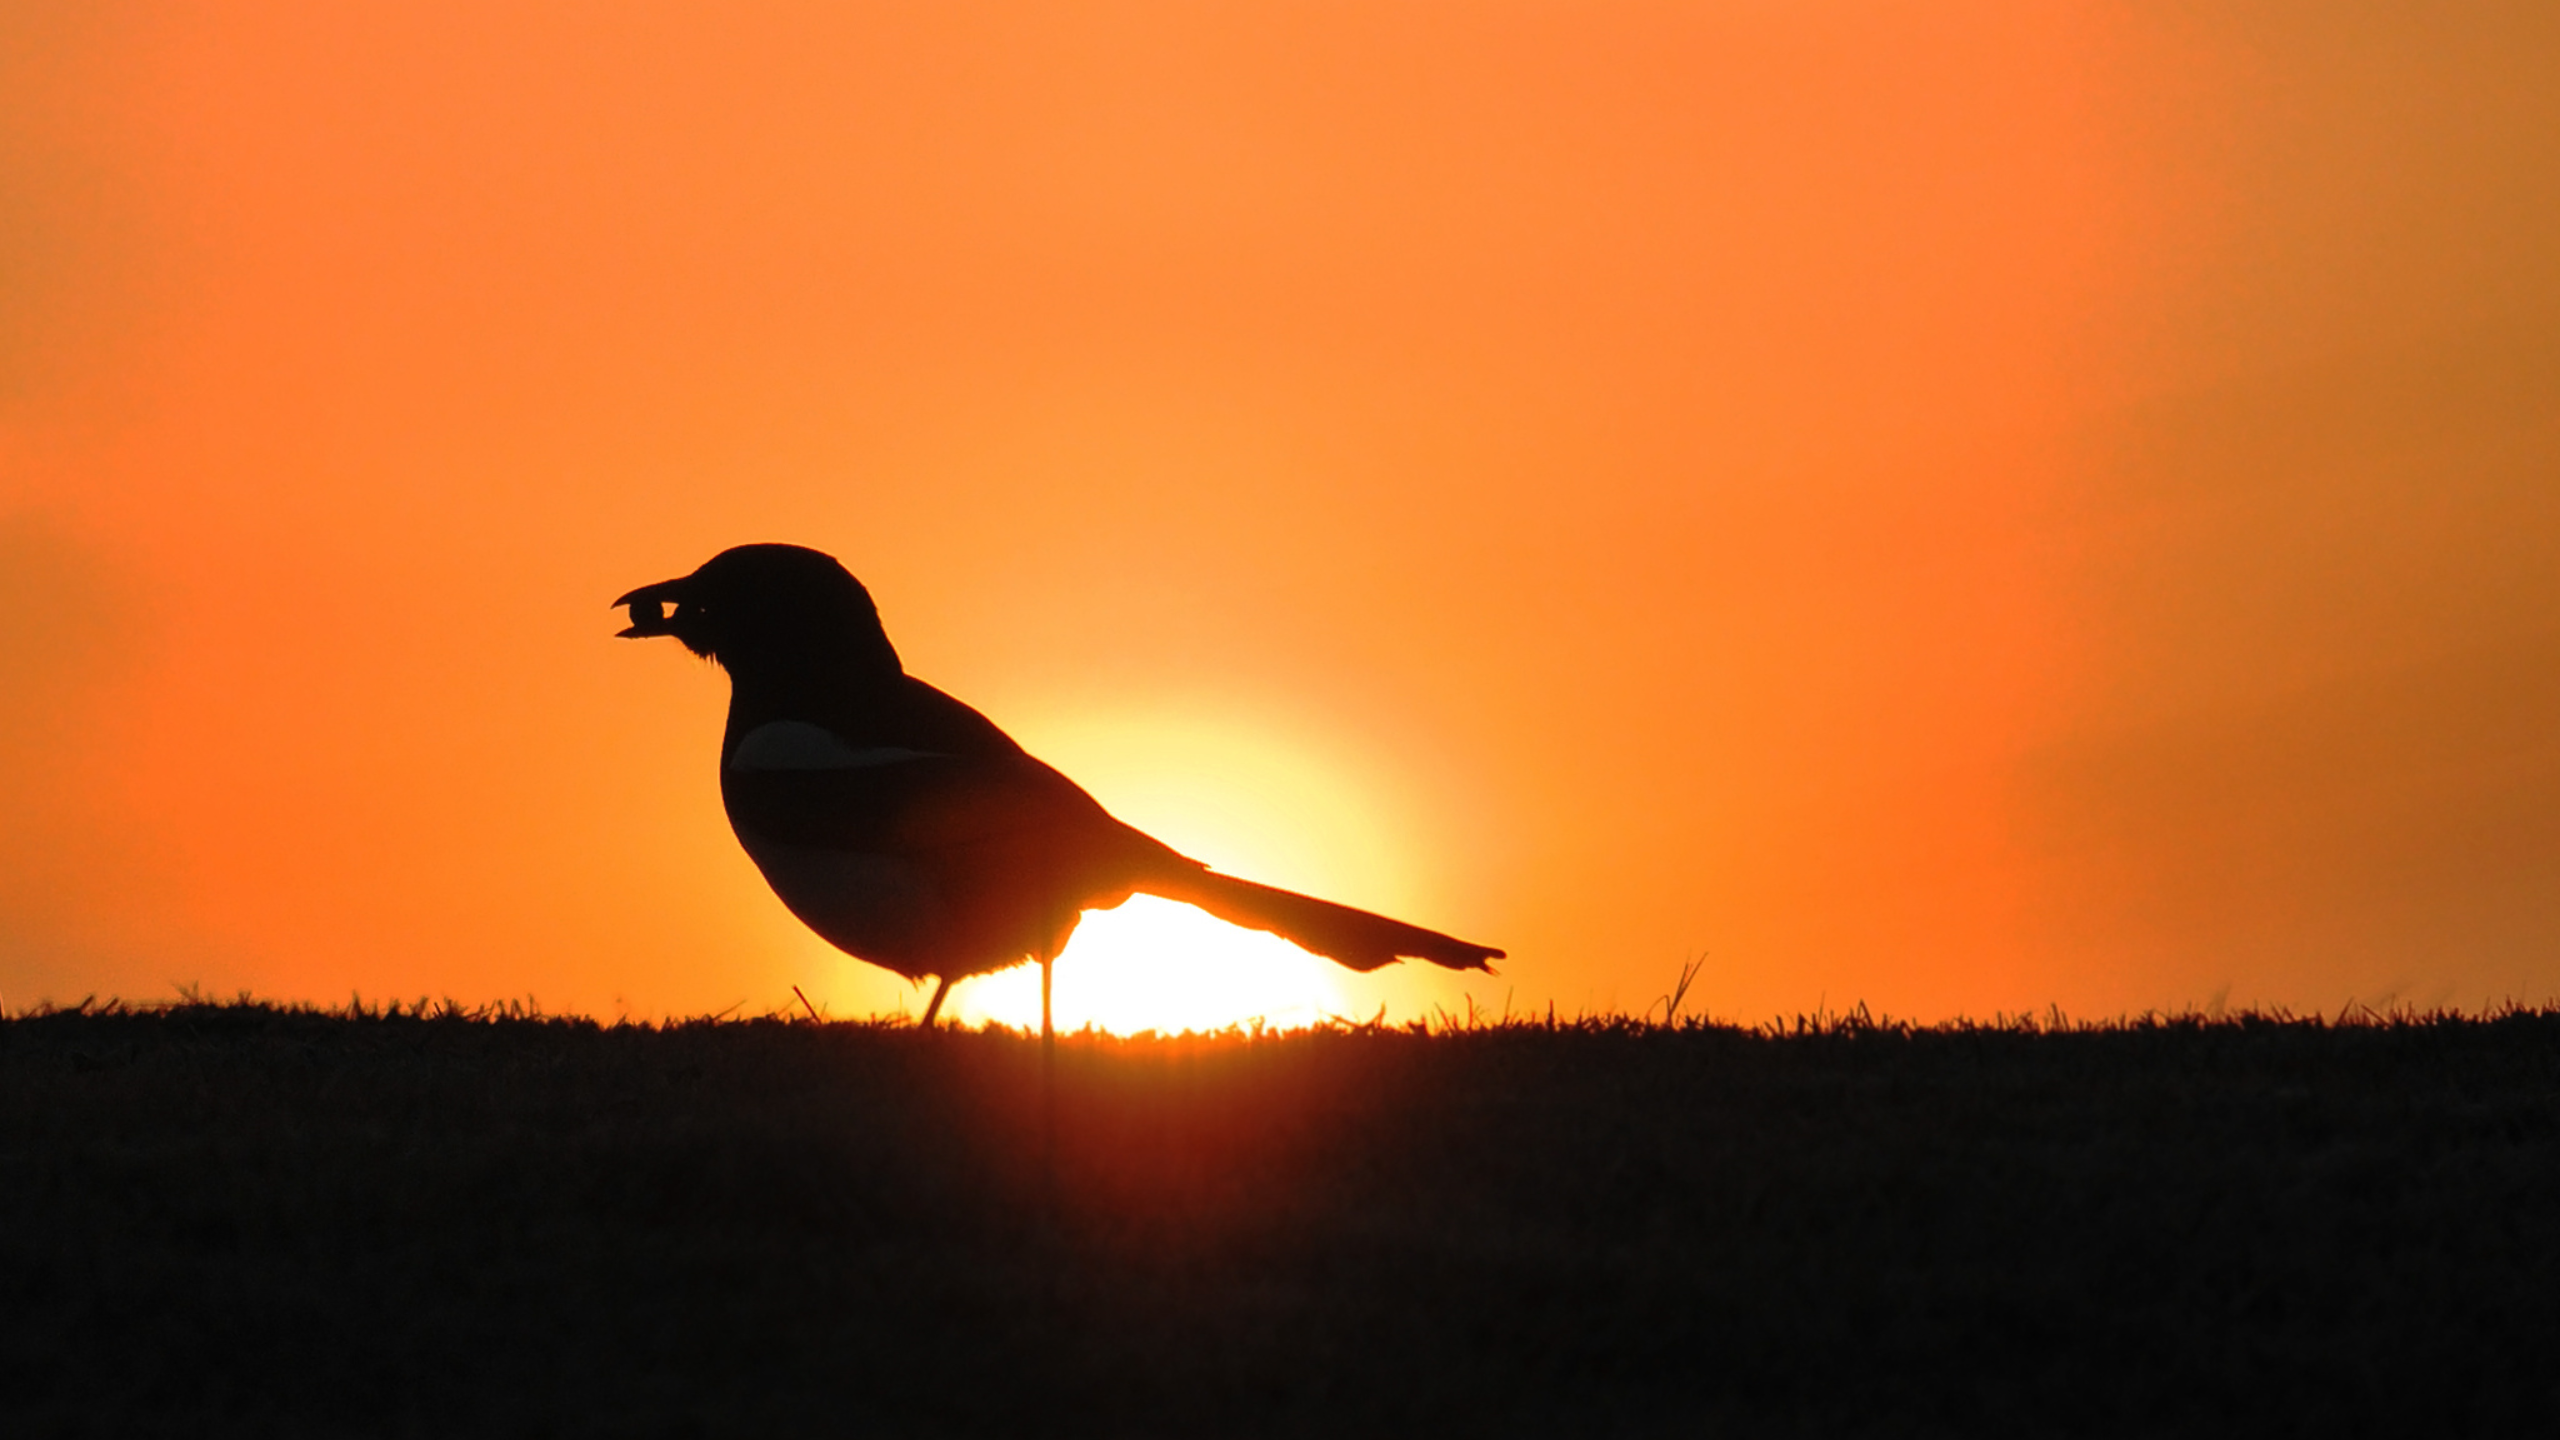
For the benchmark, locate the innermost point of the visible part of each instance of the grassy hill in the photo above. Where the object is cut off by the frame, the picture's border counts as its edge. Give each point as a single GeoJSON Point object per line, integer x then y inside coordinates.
{"type": "Point", "coordinates": [243, 1219]}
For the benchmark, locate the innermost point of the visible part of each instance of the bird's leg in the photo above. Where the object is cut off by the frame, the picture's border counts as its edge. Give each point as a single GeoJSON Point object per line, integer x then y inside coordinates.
{"type": "Point", "coordinates": [1048, 1089]}
{"type": "Point", "coordinates": [934, 1006]}
{"type": "Point", "coordinates": [1048, 1064]}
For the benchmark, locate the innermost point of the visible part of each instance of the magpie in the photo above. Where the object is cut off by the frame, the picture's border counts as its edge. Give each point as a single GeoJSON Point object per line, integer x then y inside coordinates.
{"type": "Point", "coordinates": [904, 827]}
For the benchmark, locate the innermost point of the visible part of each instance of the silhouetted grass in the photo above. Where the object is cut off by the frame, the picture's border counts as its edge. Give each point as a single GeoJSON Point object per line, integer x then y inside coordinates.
{"type": "Point", "coordinates": [246, 1219]}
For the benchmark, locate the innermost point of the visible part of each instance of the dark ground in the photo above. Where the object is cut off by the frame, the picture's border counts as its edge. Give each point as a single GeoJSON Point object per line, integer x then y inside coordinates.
{"type": "Point", "coordinates": [235, 1219]}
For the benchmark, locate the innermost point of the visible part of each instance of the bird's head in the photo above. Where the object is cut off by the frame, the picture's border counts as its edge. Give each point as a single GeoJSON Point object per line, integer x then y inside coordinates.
{"type": "Point", "coordinates": [756, 605]}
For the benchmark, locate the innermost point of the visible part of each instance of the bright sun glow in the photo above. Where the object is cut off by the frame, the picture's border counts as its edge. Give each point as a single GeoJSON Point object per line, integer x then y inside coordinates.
{"type": "Point", "coordinates": [1234, 791]}
{"type": "Point", "coordinates": [1156, 965]}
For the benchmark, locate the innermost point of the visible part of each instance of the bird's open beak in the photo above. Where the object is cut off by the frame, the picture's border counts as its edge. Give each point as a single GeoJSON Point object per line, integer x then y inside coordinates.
{"type": "Point", "coordinates": [648, 609]}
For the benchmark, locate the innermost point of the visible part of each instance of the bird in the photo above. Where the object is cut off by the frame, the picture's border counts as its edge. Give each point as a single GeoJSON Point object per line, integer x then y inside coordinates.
{"type": "Point", "coordinates": [906, 828]}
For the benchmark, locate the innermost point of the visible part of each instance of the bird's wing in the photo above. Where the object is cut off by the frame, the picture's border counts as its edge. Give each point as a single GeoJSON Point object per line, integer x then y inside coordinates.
{"type": "Point", "coordinates": [896, 801]}
{"type": "Point", "coordinates": [924, 775]}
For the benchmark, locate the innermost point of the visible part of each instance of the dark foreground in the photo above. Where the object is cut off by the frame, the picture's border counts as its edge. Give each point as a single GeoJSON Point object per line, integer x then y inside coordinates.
{"type": "Point", "coordinates": [250, 1221]}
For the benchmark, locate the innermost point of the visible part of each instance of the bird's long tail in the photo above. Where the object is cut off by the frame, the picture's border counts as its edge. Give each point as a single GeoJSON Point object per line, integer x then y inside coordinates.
{"type": "Point", "coordinates": [1353, 937]}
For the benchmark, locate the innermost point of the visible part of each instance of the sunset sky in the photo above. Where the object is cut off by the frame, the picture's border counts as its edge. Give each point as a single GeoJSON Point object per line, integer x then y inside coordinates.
{"type": "Point", "coordinates": [1957, 507]}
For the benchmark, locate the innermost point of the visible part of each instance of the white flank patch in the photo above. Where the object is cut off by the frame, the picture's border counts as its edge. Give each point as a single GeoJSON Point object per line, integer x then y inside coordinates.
{"type": "Point", "coordinates": [799, 745]}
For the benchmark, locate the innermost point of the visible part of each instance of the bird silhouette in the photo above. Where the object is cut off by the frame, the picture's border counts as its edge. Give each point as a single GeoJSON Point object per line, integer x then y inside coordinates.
{"type": "Point", "coordinates": [904, 827]}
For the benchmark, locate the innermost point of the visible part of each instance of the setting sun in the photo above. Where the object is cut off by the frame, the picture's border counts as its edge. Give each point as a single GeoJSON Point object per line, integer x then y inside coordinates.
{"type": "Point", "coordinates": [1155, 965]}
{"type": "Point", "coordinates": [1245, 794]}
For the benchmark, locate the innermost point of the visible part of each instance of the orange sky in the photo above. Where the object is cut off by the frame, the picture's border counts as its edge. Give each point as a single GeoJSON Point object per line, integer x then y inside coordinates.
{"type": "Point", "coordinates": [1961, 507]}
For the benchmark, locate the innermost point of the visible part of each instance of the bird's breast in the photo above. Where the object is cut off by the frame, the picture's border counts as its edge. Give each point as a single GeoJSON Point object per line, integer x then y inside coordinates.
{"type": "Point", "coordinates": [813, 812]}
{"type": "Point", "coordinates": [874, 907]}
